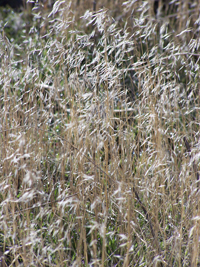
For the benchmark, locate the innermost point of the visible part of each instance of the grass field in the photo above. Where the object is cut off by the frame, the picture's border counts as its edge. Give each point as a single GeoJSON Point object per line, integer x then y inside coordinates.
{"type": "Point", "coordinates": [100, 134]}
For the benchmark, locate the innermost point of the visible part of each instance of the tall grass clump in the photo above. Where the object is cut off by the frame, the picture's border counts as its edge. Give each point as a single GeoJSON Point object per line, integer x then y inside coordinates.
{"type": "Point", "coordinates": [99, 124]}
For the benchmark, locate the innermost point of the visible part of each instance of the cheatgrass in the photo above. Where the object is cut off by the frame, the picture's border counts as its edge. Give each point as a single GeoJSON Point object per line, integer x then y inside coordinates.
{"type": "Point", "coordinates": [99, 135]}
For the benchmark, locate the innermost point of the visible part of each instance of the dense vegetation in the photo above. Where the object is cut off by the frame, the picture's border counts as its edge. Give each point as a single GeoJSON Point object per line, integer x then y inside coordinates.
{"type": "Point", "coordinates": [100, 140]}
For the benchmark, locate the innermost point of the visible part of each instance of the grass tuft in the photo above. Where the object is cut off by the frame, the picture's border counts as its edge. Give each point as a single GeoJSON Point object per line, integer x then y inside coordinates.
{"type": "Point", "coordinates": [99, 135]}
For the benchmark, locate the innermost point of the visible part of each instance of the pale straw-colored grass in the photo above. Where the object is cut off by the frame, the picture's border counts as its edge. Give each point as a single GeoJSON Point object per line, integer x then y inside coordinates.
{"type": "Point", "coordinates": [100, 137]}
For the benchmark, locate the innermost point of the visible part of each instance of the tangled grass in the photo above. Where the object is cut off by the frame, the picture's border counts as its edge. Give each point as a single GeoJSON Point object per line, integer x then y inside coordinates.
{"type": "Point", "coordinates": [100, 137]}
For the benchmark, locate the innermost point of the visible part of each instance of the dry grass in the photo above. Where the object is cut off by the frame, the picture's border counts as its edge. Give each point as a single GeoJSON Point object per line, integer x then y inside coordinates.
{"type": "Point", "coordinates": [100, 137]}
